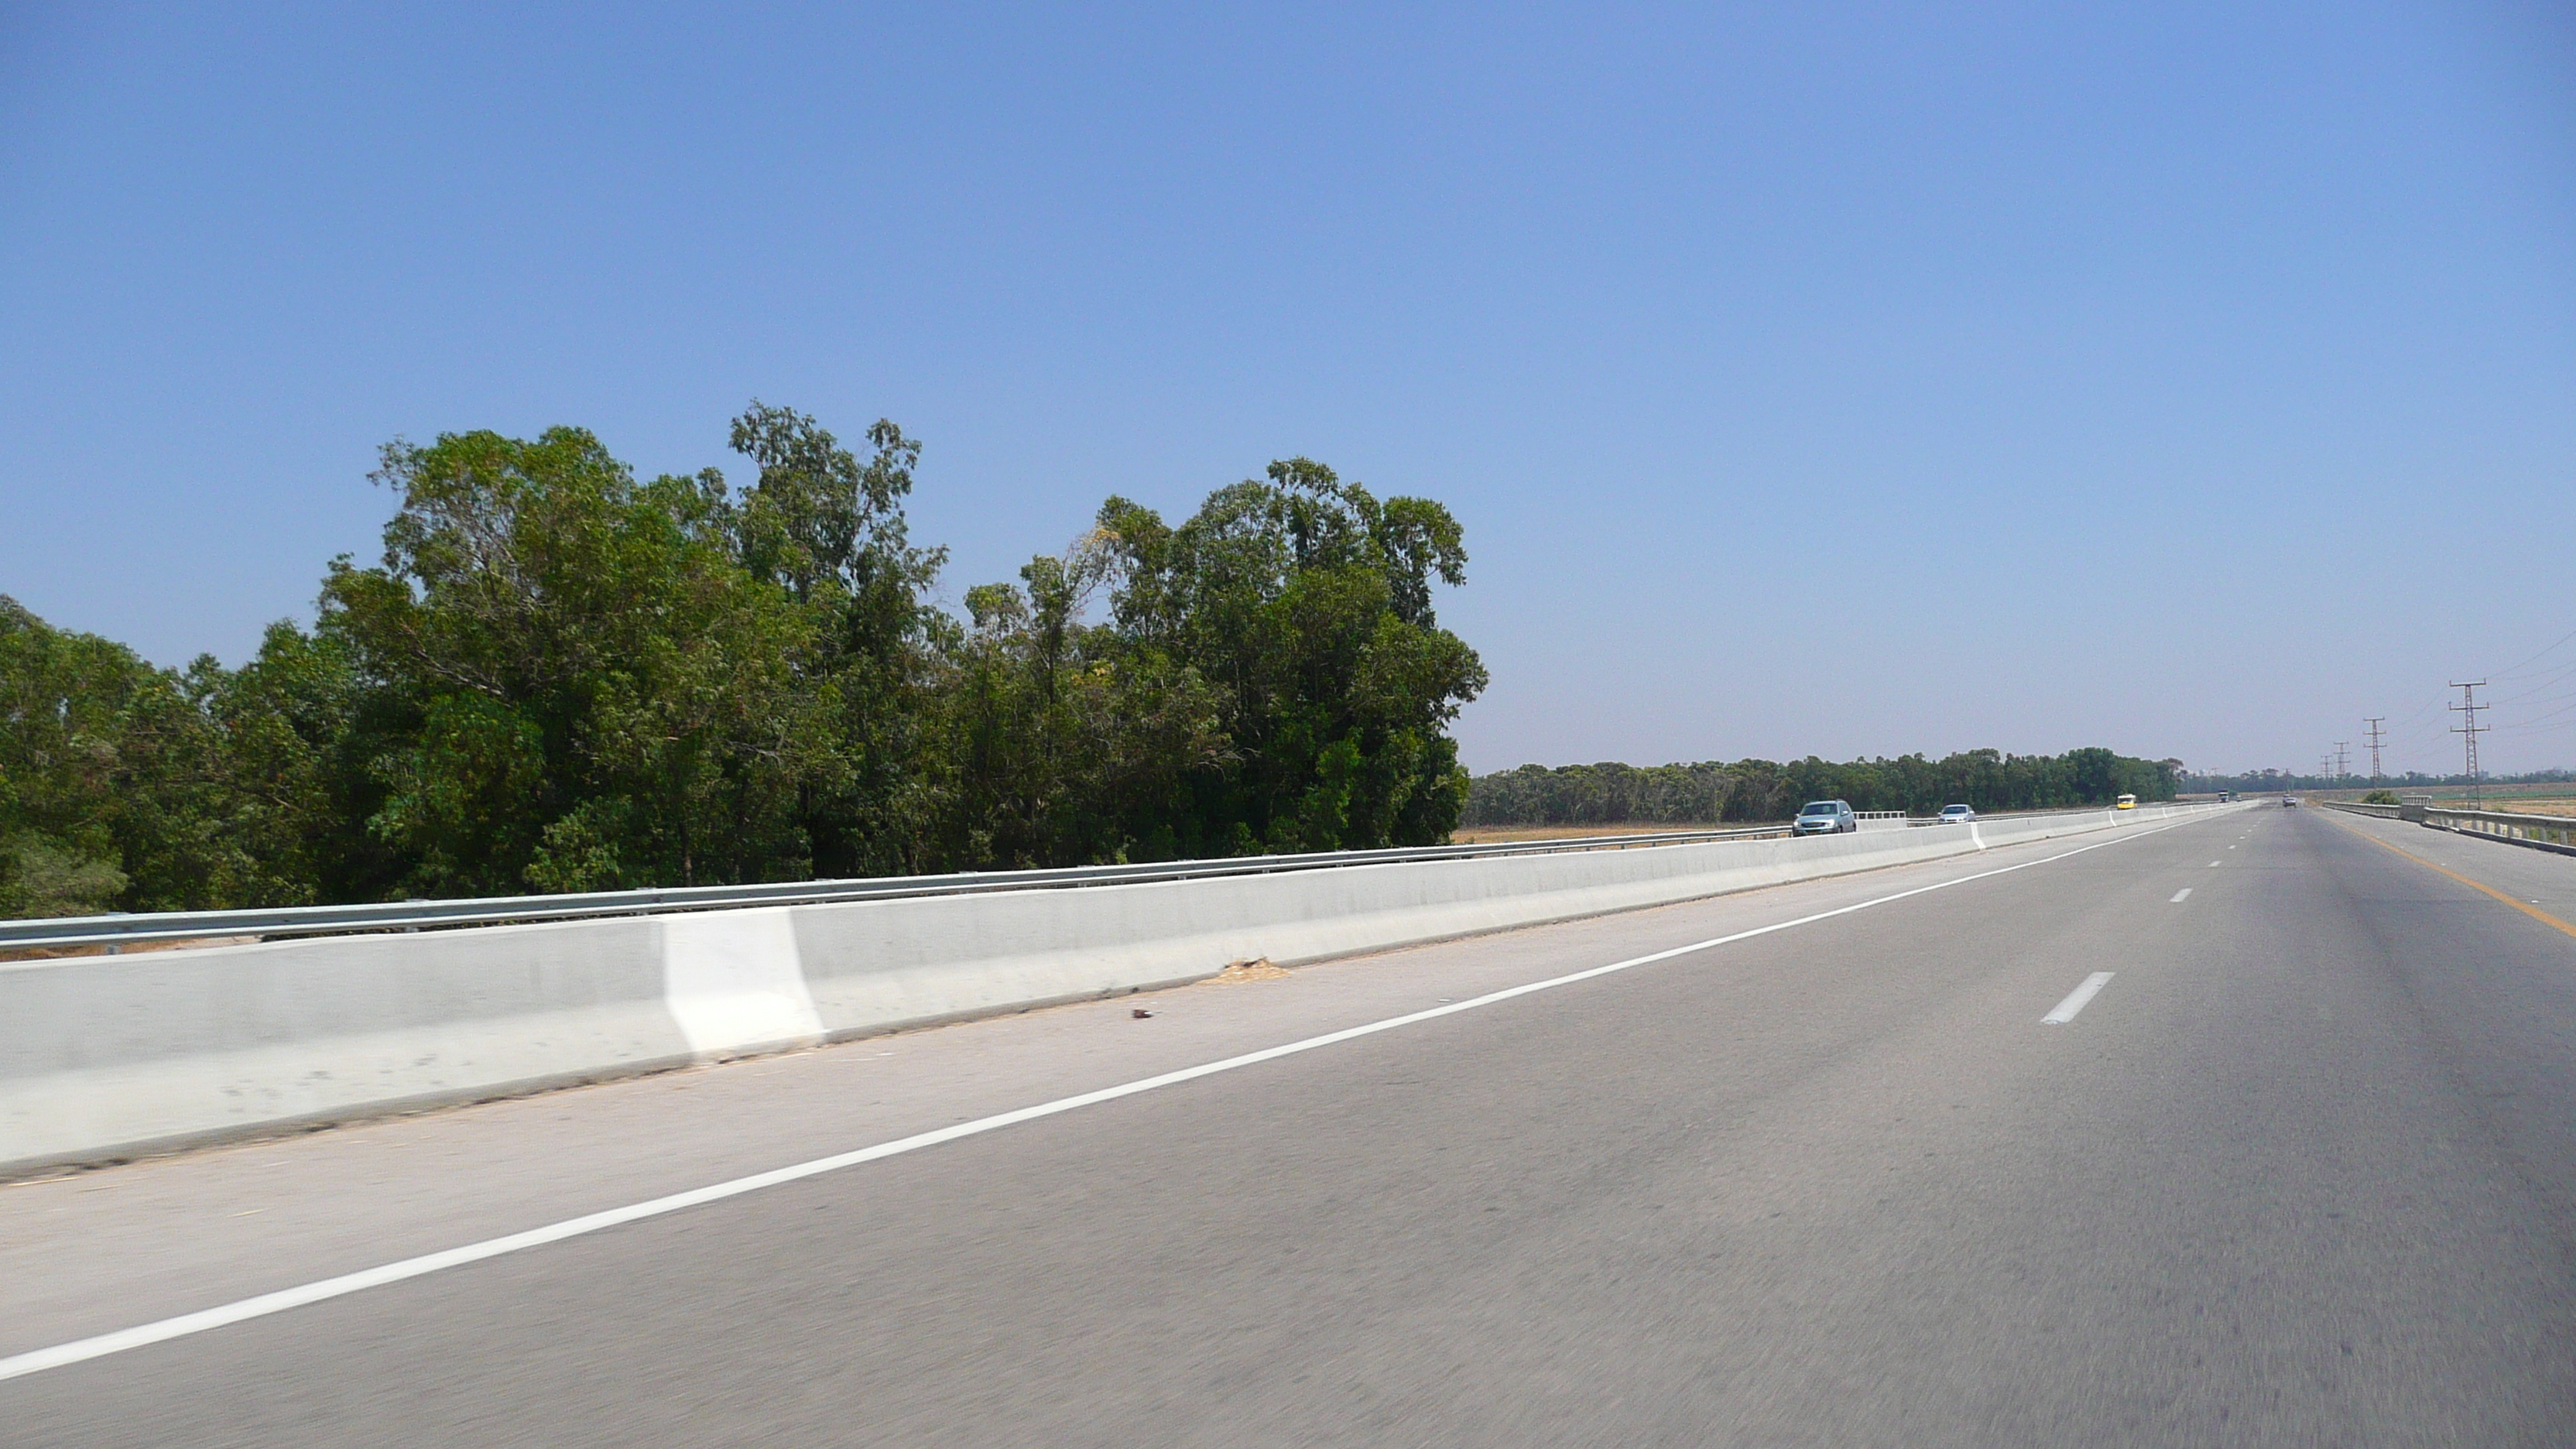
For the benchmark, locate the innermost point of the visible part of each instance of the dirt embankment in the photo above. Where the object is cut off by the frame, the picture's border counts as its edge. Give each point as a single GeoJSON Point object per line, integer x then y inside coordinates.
{"type": "Point", "coordinates": [56, 953]}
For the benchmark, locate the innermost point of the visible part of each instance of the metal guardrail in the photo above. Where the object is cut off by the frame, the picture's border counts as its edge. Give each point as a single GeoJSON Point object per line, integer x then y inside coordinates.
{"type": "Point", "coordinates": [494, 910]}
{"type": "Point", "coordinates": [2549, 832]}
{"type": "Point", "coordinates": [112, 930]}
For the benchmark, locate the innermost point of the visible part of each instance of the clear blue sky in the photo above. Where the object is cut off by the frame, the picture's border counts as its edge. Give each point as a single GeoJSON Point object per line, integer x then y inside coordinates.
{"type": "Point", "coordinates": [2192, 379]}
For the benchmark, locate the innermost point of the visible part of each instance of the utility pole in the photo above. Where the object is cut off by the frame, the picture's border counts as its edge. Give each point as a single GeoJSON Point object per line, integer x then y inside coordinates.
{"type": "Point", "coordinates": [2325, 770]}
{"type": "Point", "coordinates": [2341, 754]}
{"type": "Point", "coordinates": [2376, 733]}
{"type": "Point", "coordinates": [2470, 731]}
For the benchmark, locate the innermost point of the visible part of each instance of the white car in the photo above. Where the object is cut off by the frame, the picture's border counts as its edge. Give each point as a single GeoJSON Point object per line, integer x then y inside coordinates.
{"type": "Point", "coordinates": [1957, 814]}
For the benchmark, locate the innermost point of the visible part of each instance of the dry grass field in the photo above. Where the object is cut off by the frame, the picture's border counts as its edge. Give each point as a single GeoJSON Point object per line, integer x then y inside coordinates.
{"type": "Point", "coordinates": [2543, 799]}
{"type": "Point", "coordinates": [2564, 806]}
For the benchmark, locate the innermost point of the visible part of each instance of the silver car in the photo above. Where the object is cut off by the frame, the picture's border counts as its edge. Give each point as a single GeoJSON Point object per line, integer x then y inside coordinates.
{"type": "Point", "coordinates": [1824, 817]}
{"type": "Point", "coordinates": [1957, 814]}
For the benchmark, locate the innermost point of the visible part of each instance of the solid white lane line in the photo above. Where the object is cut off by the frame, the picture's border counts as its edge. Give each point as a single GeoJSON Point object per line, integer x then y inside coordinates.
{"type": "Point", "coordinates": [2075, 999]}
{"type": "Point", "coordinates": [2179, 895]}
{"type": "Point", "coordinates": [260, 1306]}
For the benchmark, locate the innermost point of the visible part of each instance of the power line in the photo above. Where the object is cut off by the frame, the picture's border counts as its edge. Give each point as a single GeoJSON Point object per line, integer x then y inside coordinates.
{"type": "Point", "coordinates": [2470, 731]}
{"type": "Point", "coordinates": [2570, 634]}
{"type": "Point", "coordinates": [2376, 733]}
{"type": "Point", "coordinates": [2537, 721]}
{"type": "Point", "coordinates": [2549, 678]}
{"type": "Point", "coordinates": [2340, 755]}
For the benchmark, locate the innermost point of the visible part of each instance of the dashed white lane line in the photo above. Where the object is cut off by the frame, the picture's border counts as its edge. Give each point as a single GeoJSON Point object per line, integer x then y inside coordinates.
{"type": "Point", "coordinates": [2213, 864]}
{"type": "Point", "coordinates": [2076, 999]}
{"type": "Point", "coordinates": [2179, 895]}
{"type": "Point", "coordinates": [262, 1305]}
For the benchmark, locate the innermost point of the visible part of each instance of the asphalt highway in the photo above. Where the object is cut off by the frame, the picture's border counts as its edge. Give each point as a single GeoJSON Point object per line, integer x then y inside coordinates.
{"type": "Point", "coordinates": [2295, 1164]}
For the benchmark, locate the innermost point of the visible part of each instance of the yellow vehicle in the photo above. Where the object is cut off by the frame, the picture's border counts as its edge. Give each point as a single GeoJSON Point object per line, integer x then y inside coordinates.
{"type": "Point", "coordinates": [2125, 802]}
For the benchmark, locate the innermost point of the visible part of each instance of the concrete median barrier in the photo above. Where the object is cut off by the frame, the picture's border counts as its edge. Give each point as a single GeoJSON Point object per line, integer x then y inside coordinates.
{"type": "Point", "coordinates": [110, 1057]}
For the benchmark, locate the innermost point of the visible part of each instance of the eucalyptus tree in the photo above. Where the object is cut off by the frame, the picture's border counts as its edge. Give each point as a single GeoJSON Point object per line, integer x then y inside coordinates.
{"type": "Point", "coordinates": [828, 527]}
{"type": "Point", "coordinates": [1308, 603]}
{"type": "Point", "coordinates": [577, 683]}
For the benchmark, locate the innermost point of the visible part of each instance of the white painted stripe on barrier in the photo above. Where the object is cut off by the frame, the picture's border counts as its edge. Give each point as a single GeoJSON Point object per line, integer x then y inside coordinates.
{"type": "Point", "coordinates": [733, 981]}
{"type": "Point", "coordinates": [186, 1324]}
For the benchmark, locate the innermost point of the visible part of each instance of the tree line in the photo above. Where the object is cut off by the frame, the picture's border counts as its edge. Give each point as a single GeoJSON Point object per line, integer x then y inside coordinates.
{"type": "Point", "coordinates": [1760, 790]}
{"type": "Point", "coordinates": [562, 677]}
{"type": "Point", "coordinates": [2255, 782]}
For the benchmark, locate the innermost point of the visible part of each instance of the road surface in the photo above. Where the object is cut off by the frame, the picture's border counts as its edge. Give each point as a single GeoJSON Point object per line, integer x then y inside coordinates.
{"type": "Point", "coordinates": [2299, 1169]}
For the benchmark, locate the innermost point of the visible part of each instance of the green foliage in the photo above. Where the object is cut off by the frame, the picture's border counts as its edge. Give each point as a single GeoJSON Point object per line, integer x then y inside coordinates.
{"type": "Point", "coordinates": [1064, 745]}
{"type": "Point", "coordinates": [125, 787]}
{"type": "Point", "coordinates": [1269, 676]}
{"type": "Point", "coordinates": [41, 878]}
{"type": "Point", "coordinates": [64, 699]}
{"type": "Point", "coordinates": [559, 677]}
{"type": "Point", "coordinates": [575, 682]}
{"type": "Point", "coordinates": [112, 786]}
{"type": "Point", "coordinates": [828, 528]}
{"type": "Point", "coordinates": [2380, 797]}
{"type": "Point", "coordinates": [2273, 782]}
{"type": "Point", "coordinates": [1760, 790]}
{"type": "Point", "coordinates": [1307, 603]}
{"type": "Point", "coordinates": [289, 774]}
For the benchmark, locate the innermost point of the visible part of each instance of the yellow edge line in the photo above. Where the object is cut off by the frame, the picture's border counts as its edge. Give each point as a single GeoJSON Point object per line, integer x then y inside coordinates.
{"type": "Point", "coordinates": [2525, 907]}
